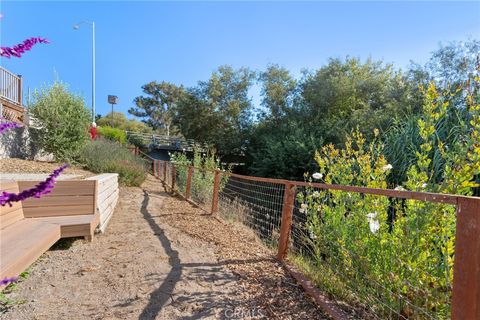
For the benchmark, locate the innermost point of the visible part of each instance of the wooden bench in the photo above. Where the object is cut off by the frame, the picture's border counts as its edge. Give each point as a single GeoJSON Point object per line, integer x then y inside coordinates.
{"type": "Point", "coordinates": [72, 205]}
{"type": "Point", "coordinates": [30, 228]}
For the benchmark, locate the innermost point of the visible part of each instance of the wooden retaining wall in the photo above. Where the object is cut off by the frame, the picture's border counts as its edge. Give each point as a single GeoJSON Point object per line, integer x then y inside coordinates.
{"type": "Point", "coordinates": [107, 197]}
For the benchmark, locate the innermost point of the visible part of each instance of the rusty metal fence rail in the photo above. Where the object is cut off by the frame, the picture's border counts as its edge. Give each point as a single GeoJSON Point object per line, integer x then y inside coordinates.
{"type": "Point", "coordinates": [297, 220]}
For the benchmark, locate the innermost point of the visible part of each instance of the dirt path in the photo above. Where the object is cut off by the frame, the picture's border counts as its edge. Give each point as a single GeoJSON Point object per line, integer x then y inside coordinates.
{"type": "Point", "coordinates": [160, 259]}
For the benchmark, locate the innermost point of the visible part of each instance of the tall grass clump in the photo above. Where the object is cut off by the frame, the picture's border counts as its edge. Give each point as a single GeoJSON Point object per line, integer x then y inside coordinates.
{"type": "Point", "coordinates": [104, 156]}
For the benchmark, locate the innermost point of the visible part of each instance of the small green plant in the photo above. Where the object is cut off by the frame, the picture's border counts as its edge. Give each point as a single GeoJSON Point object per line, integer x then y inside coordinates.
{"type": "Point", "coordinates": [203, 177]}
{"type": "Point", "coordinates": [63, 121]}
{"type": "Point", "coordinates": [113, 134]}
{"type": "Point", "coordinates": [103, 156]}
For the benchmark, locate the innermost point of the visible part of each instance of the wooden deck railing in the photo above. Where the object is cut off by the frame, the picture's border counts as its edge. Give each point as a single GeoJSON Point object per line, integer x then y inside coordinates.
{"type": "Point", "coordinates": [11, 96]}
{"type": "Point", "coordinates": [465, 301]}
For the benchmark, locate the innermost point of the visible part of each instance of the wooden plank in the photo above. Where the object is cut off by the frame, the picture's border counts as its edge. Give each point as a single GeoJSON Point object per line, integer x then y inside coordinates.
{"type": "Point", "coordinates": [7, 209]}
{"type": "Point", "coordinates": [107, 210]}
{"type": "Point", "coordinates": [105, 178]}
{"type": "Point", "coordinates": [58, 201]}
{"type": "Point", "coordinates": [65, 187]}
{"type": "Point", "coordinates": [18, 251]}
{"type": "Point", "coordinates": [73, 226]}
{"type": "Point", "coordinates": [105, 193]}
{"type": "Point", "coordinates": [9, 219]}
{"type": "Point", "coordinates": [35, 212]}
{"type": "Point", "coordinates": [110, 201]}
{"type": "Point", "coordinates": [9, 185]}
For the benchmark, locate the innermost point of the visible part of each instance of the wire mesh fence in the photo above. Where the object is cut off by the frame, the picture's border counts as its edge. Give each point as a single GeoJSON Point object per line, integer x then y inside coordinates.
{"type": "Point", "coordinates": [391, 258]}
{"type": "Point", "coordinates": [388, 254]}
{"type": "Point", "coordinates": [201, 188]}
{"type": "Point", "coordinates": [256, 204]}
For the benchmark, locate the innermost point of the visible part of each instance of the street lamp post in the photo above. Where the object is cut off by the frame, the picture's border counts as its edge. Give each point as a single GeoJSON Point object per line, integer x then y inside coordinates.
{"type": "Point", "coordinates": [76, 27]}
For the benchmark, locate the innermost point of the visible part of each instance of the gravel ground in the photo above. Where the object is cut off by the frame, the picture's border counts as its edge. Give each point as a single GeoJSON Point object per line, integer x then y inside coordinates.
{"type": "Point", "coordinates": [161, 258]}
{"type": "Point", "coordinates": [27, 166]}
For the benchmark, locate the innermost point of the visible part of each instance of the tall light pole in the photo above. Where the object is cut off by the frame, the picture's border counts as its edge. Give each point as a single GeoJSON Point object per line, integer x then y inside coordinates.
{"type": "Point", "coordinates": [76, 27]}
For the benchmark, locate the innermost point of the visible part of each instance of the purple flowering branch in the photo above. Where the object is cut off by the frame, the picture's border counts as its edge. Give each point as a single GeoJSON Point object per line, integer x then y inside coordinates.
{"type": "Point", "coordinates": [19, 49]}
{"type": "Point", "coordinates": [5, 126]}
{"type": "Point", "coordinates": [44, 187]}
{"type": "Point", "coordinates": [6, 281]}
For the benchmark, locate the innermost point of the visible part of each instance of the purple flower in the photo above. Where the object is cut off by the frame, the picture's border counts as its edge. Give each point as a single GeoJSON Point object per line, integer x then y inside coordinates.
{"type": "Point", "coordinates": [40, 189]}
{"type": "Point", "coordinates": [5, 126]}
{"type": "Point", "coordinates": [6, 281]}
{"type": "Point", "coordinates": [19, 49]}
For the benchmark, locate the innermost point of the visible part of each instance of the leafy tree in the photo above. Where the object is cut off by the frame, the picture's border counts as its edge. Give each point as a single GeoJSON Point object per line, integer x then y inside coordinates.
{"type": "Point", "coordinates": [157, 105]}
{"type": "Point", "coordinates": [64, 121]}
{"type": "Point", "coordinates": [218, 111]}
{"type": "Point", "coordinates": [278, 91]}
{"type": "Point", "coordinates": [344, 95]}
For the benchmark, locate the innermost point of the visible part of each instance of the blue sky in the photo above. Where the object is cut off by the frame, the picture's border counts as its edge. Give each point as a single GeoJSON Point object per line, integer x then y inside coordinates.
{"type": "Point", "coordinates": [183, 42]}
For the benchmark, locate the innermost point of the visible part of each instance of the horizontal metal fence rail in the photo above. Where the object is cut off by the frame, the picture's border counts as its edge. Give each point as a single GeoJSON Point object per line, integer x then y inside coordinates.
{"type": "Point", "coordinates": [238, 191]}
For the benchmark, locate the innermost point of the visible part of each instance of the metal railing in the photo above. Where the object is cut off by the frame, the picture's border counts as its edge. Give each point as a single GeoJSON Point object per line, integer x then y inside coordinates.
{"type": "Point", "coordinates": [10, 87]}
{"type": "Point", "coordinates": [274, 209]}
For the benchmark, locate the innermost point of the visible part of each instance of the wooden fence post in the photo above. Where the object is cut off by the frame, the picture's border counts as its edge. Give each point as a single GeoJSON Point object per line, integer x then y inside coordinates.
{"type": "Point", "coordinates": [189, 182]}
{"type": "Point", "coordinates": [466, 269]}
{"type": "Point", "coordinates": [287, 215]}
{"type": "Point", "coordinates": [174, 176]}
{"type": "Point", "coordinates": [164, 171]}
{"type": "Point", "coordinates": [216, 188]}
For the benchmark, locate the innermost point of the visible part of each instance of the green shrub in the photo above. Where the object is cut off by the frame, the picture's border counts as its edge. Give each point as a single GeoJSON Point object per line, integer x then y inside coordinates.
{"type": "Point", "coordinates": [203, 176]}
{"type": "Point", "coordinates": [388, 254]}
{"type": "Point", "coordinates": [113, 134]}
{"type": "Point", "coordinates": [63, 119]}
{"type": "Point", "coordinates": [103, 156]}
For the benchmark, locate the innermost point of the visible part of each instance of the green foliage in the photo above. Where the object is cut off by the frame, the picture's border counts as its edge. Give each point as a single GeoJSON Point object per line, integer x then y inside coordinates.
{"type": "Point", "coordinates": [158, 104]}
{"type": "Point", "coordinates": [104, 156]}
{"type": "Point", "coordinates": [113, 134]}
{"type": "Point", "coordinates": [278, 91]}
{"type": "Point", "coordinates": [218, 111]}
{"type": "Point", "coordinates": [344, 95]}
{"type": "Point", "coordinates": [64, 121]}
{"type": "Point", "coordinates": [121, 122]}
{"type": "Point", "coordinates": [388, 254]}
{"type": "Point", "coordinates": [281, 151]}
{"type": "Point", "coordinates": [203, 176]}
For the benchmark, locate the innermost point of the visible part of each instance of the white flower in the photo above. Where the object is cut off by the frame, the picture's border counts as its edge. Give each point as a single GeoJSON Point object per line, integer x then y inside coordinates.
{"type": "Point", "coordinates": [424, 185]}
{"type": "Point", "coordinates": [312, 235]}
{"type": "Point", "coordinates": [371, 216]}
{"type": "Point", "coordinates": [316, 194]}
{"type": "Point", "coordinates": [303, 208]}
{"type": "Point", "coordinates": [399, 188]}
{"type": "Point", "coordinates": [387, 167]}
{"type": "Point", "coordinates": [317, 176]}
{"type": "Point", "coordinates": [374, 225]}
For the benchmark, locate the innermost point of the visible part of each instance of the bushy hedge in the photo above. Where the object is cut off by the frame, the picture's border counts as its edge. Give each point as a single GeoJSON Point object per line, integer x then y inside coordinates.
{"type": "Point", "coordinates": [113, 134]}
{"type": "Point", "coordinates": [63, 119]}
{"type": "Point", "coordinates": [102, 156]}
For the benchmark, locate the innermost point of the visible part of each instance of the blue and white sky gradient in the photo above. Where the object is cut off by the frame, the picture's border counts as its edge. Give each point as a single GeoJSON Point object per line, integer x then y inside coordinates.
{"type": "Point", "coordinates": [183, 42]}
